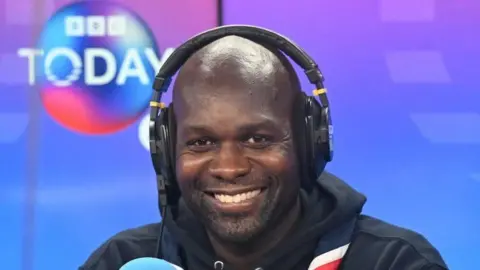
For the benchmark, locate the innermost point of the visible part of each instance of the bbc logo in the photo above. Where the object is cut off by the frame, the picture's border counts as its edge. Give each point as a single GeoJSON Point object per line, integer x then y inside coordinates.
{"type": "Point", "coordinates": [95, 26]}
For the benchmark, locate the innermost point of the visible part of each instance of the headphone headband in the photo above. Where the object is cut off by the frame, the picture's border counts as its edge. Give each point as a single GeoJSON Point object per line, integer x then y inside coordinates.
{"type": "Point", "coordinates": [255, 34]}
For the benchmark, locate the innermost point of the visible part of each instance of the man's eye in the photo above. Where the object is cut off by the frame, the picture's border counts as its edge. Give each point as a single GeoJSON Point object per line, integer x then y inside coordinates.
{"type": "Point", "coordinates": [200, 143]}
{"type": "Point", "coordinates": [257, 139]}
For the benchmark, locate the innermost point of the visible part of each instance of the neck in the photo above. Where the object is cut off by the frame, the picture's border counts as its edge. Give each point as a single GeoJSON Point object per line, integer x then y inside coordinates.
{"type": "Point", "coordinates": [245, 255]}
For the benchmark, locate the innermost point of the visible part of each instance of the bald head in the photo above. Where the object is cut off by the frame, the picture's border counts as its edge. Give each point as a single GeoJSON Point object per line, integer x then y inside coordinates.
{"type": "Point", "coordinates": [234, 64]}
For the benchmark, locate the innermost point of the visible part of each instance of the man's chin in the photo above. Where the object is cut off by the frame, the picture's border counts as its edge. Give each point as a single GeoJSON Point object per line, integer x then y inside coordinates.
{"type": "Point", "coordinates": [238, 232]}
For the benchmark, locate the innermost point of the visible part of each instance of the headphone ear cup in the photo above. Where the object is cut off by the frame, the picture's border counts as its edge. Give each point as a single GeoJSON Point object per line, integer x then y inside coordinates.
{"type": "Point", "coordinates": [317, 138]}
{"type": "Point", "coordinates": [172, 134]}
{"type": "Point", "coordinates": [165, 164]}
{"type": "Point", "coordinates": [327, 134]}
{"type": "Point", "coordinates": [310, 136]}
{"type": "Point", "coordinates": [163, 146]}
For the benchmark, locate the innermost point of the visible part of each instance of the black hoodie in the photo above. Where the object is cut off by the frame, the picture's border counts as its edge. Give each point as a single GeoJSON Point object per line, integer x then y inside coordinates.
{"type": "Point", "coordinates": [332, 234]}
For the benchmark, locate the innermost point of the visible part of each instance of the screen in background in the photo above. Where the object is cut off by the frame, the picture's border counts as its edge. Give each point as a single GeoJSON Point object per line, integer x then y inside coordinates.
{"type": "Point", "coordinates": [74, 169]}
{"type": "Point", "coordinates": [402, 79]}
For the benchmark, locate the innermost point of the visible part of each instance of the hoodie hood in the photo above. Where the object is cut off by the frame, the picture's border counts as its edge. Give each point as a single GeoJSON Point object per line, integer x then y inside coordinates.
{"type": "Point", "coordinates": [328, 206]}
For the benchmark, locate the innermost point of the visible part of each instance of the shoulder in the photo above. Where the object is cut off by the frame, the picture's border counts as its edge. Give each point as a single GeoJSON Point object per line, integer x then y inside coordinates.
{"type": "Point", "coordinates": [399, 241]}
{"type": "Point", "coordinates": [124, 247]}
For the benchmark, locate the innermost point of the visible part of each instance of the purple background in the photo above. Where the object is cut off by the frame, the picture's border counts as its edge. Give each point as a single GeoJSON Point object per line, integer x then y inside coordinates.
{"type": "Point", "coordinates": [403, 82]}
{"type": "Point", "coordinates": [402, 76]}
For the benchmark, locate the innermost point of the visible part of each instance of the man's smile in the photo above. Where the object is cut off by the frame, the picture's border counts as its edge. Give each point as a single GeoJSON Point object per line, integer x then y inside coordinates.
{"type": "Point", "coordinates": [235, 200]}
{"type": "Point", "coordinates": [238, 198]}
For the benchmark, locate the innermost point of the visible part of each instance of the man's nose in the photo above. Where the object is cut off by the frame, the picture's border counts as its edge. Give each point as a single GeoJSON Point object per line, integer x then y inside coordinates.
{"type": "Point", "coordinates": [230, 163]}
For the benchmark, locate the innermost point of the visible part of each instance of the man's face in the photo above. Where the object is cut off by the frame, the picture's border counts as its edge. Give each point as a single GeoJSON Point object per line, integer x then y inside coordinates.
{"type": "Point", "coordinates": [236, 164]}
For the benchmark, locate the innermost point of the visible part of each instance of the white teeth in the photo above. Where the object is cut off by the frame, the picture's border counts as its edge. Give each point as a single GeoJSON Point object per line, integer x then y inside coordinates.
{"type": "Point", "coordinates": [238, 197]}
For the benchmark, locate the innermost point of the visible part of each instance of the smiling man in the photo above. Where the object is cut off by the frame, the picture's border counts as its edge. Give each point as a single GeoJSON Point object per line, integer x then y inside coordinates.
{"type": "Point", "coordinates": [239, 164]}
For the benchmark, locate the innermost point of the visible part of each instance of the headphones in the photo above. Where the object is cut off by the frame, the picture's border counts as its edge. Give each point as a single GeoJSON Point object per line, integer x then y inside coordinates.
{"type": "Point", "coordinates": [318, 125]}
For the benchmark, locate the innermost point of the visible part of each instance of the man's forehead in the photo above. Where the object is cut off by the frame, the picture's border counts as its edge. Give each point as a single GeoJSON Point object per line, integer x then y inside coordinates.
{"type": "Point", "coordinates": [229, 116]}
{"type": "Point", "coordinates": [223, 106]}
{"type": "Point", "coordinates": [236, 95]}
{"type": "Point", "coordinates": [246, 81]}
{"type": "Point", "coordinates": [244, 89]}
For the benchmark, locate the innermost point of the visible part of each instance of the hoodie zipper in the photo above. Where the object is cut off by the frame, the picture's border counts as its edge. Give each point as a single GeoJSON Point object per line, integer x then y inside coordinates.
{"type": "Point", "coordinates": [218, 265]}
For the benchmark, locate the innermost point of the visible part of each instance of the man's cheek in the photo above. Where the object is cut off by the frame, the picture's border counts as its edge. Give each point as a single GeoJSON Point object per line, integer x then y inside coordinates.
{"type": "Point", "coordinates": [185, 173]}
{"type": "Point", "coordinates": [187, 188]}
{"type": "Point", "coordinates": [190, 166]}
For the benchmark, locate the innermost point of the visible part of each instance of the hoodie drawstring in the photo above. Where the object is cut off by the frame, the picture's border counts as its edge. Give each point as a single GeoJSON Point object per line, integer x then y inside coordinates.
{"type": "Point", "coordinates": [218, 265]}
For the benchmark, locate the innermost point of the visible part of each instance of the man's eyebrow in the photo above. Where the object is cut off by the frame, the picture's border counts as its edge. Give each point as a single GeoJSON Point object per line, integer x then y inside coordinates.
{"type": "Point", "coordinates": [196, 128]}
{"type": "Point", "coordinates": [265, 124]}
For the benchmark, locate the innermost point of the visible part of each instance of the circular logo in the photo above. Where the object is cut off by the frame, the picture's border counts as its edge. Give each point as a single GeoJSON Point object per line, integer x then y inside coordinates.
{"type": "Point", "coordinates": [98, 63]}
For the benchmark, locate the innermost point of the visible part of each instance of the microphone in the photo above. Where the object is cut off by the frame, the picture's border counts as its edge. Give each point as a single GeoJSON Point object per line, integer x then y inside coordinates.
{"type": "Point", "coordinates": [149, 264]}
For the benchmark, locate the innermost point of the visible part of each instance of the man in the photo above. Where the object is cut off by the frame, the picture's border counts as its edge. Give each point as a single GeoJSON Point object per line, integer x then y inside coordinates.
{"type": "Point", "coordinates": [239, 168]}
